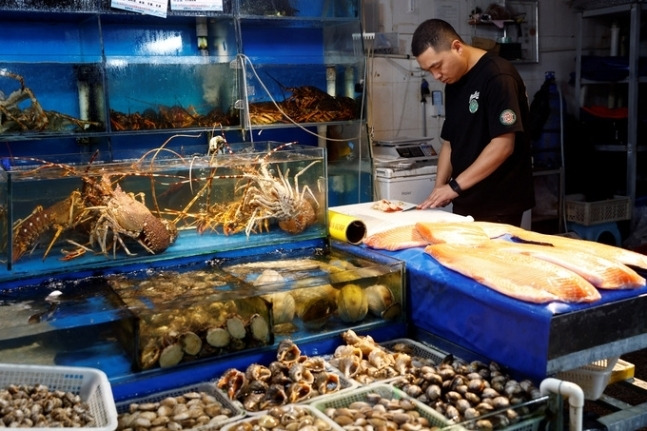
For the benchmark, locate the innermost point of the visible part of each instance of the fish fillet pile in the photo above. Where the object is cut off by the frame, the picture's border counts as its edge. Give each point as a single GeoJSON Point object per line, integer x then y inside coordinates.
{"type": "Point", "coordinates": [534, 267]}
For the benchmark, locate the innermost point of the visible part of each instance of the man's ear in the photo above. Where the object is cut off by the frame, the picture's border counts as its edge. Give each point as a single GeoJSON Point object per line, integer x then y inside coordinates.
{"type": "Point", "coordinates": [456, 45]}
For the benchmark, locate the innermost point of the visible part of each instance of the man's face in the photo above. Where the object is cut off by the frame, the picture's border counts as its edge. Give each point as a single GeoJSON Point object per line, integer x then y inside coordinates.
{"type": "Point", "coordinates": [446, 66]}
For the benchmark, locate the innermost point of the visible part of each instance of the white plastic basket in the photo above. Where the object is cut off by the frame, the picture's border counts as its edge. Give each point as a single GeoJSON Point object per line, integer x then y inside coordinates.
{"type": "Point", "coordinates": [237, 412]}
{"type": "Point", "coordinates": [303, 409]}
{"type": "Point", "coordinates": [592, 378]}
{"type": "Point", "coordinates": [416, 349]}
{"type": "Point", "coordinates": [90, 384]}
{"type": "Point", "coordinates": [385, 391]}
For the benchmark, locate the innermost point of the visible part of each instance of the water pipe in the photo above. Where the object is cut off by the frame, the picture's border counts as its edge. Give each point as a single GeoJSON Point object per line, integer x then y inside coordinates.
{"type": "Point", "coordinates": [575, 397]}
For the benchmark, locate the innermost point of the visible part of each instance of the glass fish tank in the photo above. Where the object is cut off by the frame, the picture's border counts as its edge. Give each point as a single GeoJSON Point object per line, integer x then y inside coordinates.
{"type": "Point", "coordinates": [31, 105]}
{"type": "Point", "coordinates": [300, 8]}
{"type": "Point", "coordinates": [161, 75]}
{"type": "Point", "coordinates": [63, 321]}
{"type": "Point", "coordinates": [51, 73]}
{"type": "Point", "coordinates": [302, 83]}
{"type": "Point", "coordinates": [49, 5]}
{"type": "Point", "coordinates": [219, 315]}
{"type": "Point", "coordinates": [64, 214]}
{"type": "Point", "coordinates": [149, 319]}
{"type": "Point", "coordinates": [313, 293]}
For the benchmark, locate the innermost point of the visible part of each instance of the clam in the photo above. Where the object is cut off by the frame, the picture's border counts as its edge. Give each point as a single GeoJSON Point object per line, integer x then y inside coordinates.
{"type": "Point", "coordinates": [171, 355]}
{"type": "Point", "coordinates": [236, 327]}
{"type": "Point", "coordinates": [218, 337]}
{"type": "Point", "coordinates": [352, 303]}
{"type": "Point", "coordinates": [191, 343]}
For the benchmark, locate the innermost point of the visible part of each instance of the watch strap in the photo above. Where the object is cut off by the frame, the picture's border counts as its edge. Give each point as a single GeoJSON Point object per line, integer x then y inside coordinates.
{"type": "Point", "coordinates": [454, 185]}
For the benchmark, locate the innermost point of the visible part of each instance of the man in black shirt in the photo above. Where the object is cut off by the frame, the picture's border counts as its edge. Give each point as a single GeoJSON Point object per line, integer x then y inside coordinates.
{"type": "Point", "coordinates": [484, 165]}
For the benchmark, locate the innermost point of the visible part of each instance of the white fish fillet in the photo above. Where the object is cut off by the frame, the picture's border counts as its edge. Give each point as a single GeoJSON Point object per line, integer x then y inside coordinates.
{"type": "Point", "coordinates": [516, 275]}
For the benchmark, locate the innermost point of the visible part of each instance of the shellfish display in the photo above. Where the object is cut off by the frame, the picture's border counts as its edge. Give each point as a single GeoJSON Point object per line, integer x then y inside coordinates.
{"type": "Point", "coordinates": [291, 378]}
{"type": "Point", "coordinates": [475, 394]}
{"type": "Point", "coordinates": [380, 407]}
{"type": "Point", "coordinates": [46, 408]}
{"type": "Point", "coordinates": [323, 292]}
{"type": "Point", "coordinates": [183, 409]}
{"type": "Point", "coordinates": [220, 315]}
{"type": "Point", "coordinates": [289, 418]}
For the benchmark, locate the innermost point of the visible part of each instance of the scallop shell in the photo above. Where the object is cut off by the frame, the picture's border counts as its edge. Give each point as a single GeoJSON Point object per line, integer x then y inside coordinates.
{"type": "Point", "coordinates": [269, 276]}
{"type": "Point", "coordinates": [379, 297]}
{"type": "Point", "coordinates": [283, 307]}
{"type": "Point", "coordinates": [352, 303]}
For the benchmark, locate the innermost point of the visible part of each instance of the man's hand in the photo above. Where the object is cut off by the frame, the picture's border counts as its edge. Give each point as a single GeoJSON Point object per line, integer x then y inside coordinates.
{"type": "Point", "coordinates": [441, 196]}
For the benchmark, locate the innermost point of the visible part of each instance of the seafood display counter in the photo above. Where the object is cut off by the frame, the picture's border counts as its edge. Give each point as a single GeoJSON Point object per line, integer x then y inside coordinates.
{"type": "Point", "coordinates": [533, 340]}
{"type": "Point", "coordinates": [457, 313]}
{"type": "Point", "coordinates": [235, 306]}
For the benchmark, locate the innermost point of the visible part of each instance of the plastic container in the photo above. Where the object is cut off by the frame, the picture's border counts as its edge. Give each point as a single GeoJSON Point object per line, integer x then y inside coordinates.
{"type": "Point", "coordinates": [592, 378]}
{"type": "Point", "coordinates": [415, 349]}
{"type": "Point", "coordinates": [291, 409]}
{"type": "Point", "coordinates": [237, 413]}
{"type": "Point", "coordinates": [589, 213]}
{"type": "Point", "coordinates": [385, 392]}
{"type": "Point", "coordinates": [90, 384]}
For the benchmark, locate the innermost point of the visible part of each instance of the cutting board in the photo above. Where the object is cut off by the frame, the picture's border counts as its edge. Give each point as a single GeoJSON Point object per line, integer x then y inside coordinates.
{"type": "Point", "coordinates": [378, 221]}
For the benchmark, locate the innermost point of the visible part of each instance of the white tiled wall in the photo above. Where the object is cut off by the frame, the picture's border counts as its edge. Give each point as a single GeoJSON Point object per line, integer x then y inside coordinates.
{"type": "Point", "coordinates": [395, 101]}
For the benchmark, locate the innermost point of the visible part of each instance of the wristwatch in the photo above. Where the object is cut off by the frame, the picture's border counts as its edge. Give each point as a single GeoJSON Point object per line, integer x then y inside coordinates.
{"type": "Point", "coordinates": [454, 185]}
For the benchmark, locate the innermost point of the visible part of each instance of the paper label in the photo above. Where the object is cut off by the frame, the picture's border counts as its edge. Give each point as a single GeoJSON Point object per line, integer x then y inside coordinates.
{"type": "Point", "coordinates": [148, 7]}
{"type": "Point", "coordinates": [197, 5]}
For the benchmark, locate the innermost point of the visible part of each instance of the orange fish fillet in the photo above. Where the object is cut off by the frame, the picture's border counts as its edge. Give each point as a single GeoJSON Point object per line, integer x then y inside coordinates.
{"type": "Point", "coordinates": [606, 251]}
{"type": "Point", "coordinates": [516, 275]}
{"type": "Point", "coordinates": [397, 238]}
{"type": "Point", "coordinates": [602, 273]}
{"type": "Point", "coordinates": [466, 233]}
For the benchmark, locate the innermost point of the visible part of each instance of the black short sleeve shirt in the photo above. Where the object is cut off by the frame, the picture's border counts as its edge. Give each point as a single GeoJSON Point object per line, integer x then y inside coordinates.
{"type": "Point", "coordinates": [488, 101]}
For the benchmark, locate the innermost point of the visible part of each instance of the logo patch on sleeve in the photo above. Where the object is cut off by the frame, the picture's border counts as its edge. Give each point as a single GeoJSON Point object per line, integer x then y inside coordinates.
{"type": "Point", "coordinates": [508, 117]}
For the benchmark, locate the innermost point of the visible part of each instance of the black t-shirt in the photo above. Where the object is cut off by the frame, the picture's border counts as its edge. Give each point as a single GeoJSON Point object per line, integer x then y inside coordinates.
{"type": "Point", "coordinates": [488, 101]}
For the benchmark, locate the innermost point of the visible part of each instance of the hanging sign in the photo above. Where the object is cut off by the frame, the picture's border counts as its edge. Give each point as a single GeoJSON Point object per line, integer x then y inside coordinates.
{"type": "Point", "coordinates": [148, 7]}
{"type": "Point", "coordinates": [197, 5]}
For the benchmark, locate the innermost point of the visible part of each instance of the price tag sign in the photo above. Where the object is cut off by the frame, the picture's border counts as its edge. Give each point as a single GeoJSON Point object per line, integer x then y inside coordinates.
{"type": "Point", "coordinates": [148, 7]}
{"type": "Point", "coordinates": [197, 5]}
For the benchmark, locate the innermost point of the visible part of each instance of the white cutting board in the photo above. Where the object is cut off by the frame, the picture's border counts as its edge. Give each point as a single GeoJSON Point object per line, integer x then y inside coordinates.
{"type": "Point", "coordinates": [378, 221]}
